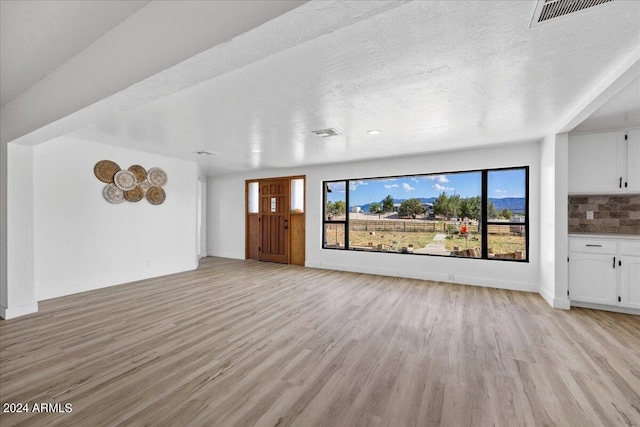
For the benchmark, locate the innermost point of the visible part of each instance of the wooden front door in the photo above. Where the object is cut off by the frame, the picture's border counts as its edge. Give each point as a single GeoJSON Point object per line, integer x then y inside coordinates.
{"type": "Point", "coordinates": [274, 220]}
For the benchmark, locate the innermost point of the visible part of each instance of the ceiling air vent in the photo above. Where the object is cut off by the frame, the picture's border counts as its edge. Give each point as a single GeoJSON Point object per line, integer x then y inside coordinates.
{"type": "Point", "coordinates": [549, 9]}
{"type": "Point", "coordinates": [325, 133]}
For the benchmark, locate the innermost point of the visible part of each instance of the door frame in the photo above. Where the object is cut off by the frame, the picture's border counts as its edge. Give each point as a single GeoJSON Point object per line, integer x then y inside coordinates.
{"type": "Point", "coordinates": [255, 215]}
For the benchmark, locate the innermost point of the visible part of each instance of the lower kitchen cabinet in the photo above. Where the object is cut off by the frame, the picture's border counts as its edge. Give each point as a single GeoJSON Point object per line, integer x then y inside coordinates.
{"type": "Point", "coordinates": [604, 272]}
{"type": "Point", "coordinates": [630, 281]}
{"type": "Point", "coordinates": [592, 278]}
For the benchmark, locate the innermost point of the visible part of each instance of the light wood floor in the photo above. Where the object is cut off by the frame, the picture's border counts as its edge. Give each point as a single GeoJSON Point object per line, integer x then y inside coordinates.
{"type": "Point", "coordinates": [248, 343]}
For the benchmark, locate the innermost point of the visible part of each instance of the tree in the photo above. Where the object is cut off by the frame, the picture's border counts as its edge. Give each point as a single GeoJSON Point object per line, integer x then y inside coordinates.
{"type": "Point", "coordinates": [411, 207]}
{"type": "Point", "coordinates": [330, 207]}
{"type": "Point", "coordinates": [492, 212]}
{"type": "Point", "coordinates": [375, 207]}
{"type": "Point", "coordinates": [470, 207]}
{"type": "Point", "coordinates": [448, 206]}
{"type": "Point", "coordinates": [335, 208]}
{"type": "Point", "coordinates": [387, 204]}
{"type": "Point", "coordinates": [506, 213]}
{"type": "Point", "coordinates": [441, 204]}
{"type": "Point", "coordinates": [454, 206]}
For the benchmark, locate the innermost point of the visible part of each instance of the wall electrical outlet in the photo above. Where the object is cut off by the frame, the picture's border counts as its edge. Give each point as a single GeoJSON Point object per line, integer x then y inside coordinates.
{"type": "Point", "coordinates": [589, 214]}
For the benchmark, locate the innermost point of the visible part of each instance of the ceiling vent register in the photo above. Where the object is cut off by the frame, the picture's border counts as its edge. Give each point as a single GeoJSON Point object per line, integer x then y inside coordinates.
{"type": "Point", "coordinates": [326, 133]}
{"type": "Point", "coordinates": [549, 9]}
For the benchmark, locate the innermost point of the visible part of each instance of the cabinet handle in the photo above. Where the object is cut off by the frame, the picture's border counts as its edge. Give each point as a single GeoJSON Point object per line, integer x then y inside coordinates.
{"type": "Point", "coordinates": [620, 183]}
{"type": "Point", "coordinates": [594, 246]}
{"type": "Point", "coordinates": [614, 262]}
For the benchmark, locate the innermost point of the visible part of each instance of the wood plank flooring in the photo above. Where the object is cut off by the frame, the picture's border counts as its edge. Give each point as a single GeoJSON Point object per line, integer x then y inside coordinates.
{"type": "Point", "coordinates": [241, 343]}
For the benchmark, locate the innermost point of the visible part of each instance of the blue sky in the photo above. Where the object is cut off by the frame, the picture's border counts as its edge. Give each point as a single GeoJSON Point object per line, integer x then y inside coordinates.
{"type": "Point", "coordinates": [508, 183]}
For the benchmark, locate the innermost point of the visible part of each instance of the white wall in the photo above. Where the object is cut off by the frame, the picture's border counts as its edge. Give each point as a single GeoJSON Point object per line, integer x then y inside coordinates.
{"type": "Point", "coordinates": [201, 245]}
{"type": "Point", "coordinates": [3, 226]}
{"type": "Point", "coordinates": [554, 220]}
{"type": "Point", "coordinates": [227, 230]}
{"type": "Point", "coordinates": [17, 295]}
{"type": "Point", "coordinates": [82, 242]}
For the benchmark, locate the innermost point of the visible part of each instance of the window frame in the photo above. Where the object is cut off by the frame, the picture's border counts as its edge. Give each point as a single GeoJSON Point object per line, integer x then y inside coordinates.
{"type": "Point", "coordinates": [325, 221]}
{"type": "Point", "coordinates": [484, 221]}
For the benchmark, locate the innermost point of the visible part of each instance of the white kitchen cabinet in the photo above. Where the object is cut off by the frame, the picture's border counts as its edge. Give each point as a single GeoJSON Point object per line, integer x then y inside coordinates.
{"type": "Point", "coordinates": [604, 272]}
{"type": "Point", "coordinates": [630, 281]}
{"type": "Point", "coordinates": [629, 270]}
{"type": "Point", "coordinates": [604, 162]}
{"type": "Point", "coordinates": [592, 279]}
{"type": "Point", "coordinates": [633, 161]}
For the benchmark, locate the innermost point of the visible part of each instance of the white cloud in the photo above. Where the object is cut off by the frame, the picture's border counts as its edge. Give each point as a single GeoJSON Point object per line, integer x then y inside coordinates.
{"type": "Point", "coordinates": [336, 186]}
{"type": "Point", "coordinates": [355, 184]}
{"type": "Point", "coordinates": [442, 188]}
{"type": "Point", "coordinates": [407, 187]}
{"type": "Point", "coordinates": [501, 191]}
{"type": "Point", "coordinates": [388, 186]}
{"type": "Point", "coordinates": [438, 178]}
{"type": "Point", "coordinates": [414, 179]}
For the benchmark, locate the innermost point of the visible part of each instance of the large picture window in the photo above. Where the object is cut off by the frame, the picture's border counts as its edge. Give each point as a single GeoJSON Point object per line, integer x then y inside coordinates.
{"type": "Point", "coordinates": [472, 214]}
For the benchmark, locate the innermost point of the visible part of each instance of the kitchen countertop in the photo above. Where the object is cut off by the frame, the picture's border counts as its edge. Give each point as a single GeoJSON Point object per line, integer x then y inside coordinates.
{"type": "Point", "coordinates": [607, 236]}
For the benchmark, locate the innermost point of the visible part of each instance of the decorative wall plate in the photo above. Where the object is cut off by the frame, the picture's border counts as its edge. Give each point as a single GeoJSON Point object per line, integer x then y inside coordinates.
{"type": "Point", "coordinates": [125, 180]}
{"type": "Point", "coordinates": [156, 195]}
{"type": "Point", "coordinates": [139, 172]}
{"type": "Point", "coordinates": [145, 186]}
{"type": "Point", "coordinates": [134, 195]}
{"type": "Point", "coordinates": [105, 170]}
{"type": "Point", "coordinates": [113, 194]}
{"type": "Point", "coordinates": [157, 177]}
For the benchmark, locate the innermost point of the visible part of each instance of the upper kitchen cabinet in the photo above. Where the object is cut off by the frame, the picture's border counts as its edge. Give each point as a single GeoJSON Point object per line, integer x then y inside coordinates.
{"type": "Point", "coordinates": [604, 162]}
{"type": "Point", "coordinates": [633, 160]}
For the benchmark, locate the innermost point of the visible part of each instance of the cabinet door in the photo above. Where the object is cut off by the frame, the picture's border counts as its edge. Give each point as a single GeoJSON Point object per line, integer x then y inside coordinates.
{"type": "Point", "coordinates": [592, 278]}
{"type": "Point", "coordinates": [630, 281]}
{"type": "Point", "coordinates": [633, 161]}
{"type": "Point", "coordinates": [596, 162]}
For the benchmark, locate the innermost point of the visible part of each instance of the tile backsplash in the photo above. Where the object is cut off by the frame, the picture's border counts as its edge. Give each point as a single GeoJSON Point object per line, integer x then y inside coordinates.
{"type": "Point", "coordinates": [611, 214]}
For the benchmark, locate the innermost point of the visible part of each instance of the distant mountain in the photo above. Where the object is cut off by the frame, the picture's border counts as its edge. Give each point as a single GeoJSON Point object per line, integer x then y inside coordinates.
{"type": "Point", "coordinates": [514, 204]}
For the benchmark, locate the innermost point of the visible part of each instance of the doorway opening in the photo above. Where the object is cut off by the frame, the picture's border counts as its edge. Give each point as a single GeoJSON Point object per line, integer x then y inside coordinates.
{"type": "Point", "coordinates": [275, 220]}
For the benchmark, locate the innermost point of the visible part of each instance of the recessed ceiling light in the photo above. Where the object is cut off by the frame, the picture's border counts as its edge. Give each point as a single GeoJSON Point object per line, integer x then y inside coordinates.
{"type": "Point", "coordinates": [256, 150]}
{"type": "Point", "coordinates": [204, 153]}
{"type": "Point", "coordinates": [374, 132]}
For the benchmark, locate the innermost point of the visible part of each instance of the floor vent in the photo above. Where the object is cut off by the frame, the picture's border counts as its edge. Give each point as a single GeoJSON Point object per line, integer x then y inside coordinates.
{"type": "Point", "coordinates": [549, 9]}
{"type": "Point", "coordinates": [325, 133]}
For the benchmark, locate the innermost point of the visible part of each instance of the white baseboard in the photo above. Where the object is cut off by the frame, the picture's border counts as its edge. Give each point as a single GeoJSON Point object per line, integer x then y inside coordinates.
{"type": "Point", "coordinates": [52, 291]}
{"type": "Point", "coordinates": [21, 310]}
{"type": "Point", "coordinates": [561, 303]}
{"type": "Point", "coordinates": [230, 255]}
{"type": "Point", "coordinates": [614, 308]}
{"type": "Point", "coordinates": [438, 277]}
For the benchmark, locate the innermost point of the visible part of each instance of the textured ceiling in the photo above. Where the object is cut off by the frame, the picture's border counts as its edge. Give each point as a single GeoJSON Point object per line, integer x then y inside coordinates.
{"type": "Point", "coordinates": [432, 76]}
{"type": "Point", "coordinates": [622, 111]}
{"type": "Point", "coordinates": [37, 36]}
